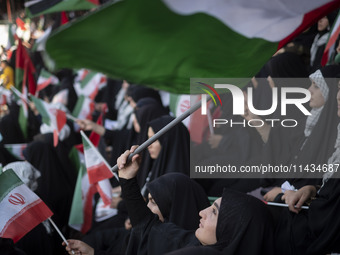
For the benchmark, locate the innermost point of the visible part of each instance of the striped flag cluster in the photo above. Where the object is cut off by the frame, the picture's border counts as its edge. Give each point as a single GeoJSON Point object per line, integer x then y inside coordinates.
{"type": "Point", "coordinates": [51, 116]}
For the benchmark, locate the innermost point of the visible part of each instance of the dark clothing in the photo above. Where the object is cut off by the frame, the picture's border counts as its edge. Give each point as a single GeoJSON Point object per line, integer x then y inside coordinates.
{"type": "Point", "coordinates": [314, 231]}
{"type": "Point", "coordinates": [244, 226]}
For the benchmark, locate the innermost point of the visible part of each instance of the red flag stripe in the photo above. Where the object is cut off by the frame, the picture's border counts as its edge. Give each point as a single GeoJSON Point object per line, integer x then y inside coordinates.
{"type": "Point", "coordinates": [25, 220]}
{"type": "Point", "coordinates": [98, 172]}
{"type": "Point", "coordinates": [87, 210]}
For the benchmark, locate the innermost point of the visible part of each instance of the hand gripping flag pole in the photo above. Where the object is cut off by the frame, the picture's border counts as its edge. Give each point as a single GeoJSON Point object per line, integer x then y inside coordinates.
{"type": "Point", "coordinates": [161, 132]}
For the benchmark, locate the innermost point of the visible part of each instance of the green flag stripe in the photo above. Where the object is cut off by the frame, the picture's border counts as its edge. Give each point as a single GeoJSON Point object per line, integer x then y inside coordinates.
{"type": "Point", "coordinates": [19, 75]}
{"type": "Point", "coordinates": [8, 181]}
{"type": "Point", "coordinates": [79, 105]}
{"type": "Point", "coordinates": [23, 122]}
{"type": "Point", "coordinates": [86, 144]}
{"type": "Point", "coordinates": [42, 110]}
{"type": "Point", "coordinates": [76, 214]}
{"type": "Point", "coordinates": [87, 78]}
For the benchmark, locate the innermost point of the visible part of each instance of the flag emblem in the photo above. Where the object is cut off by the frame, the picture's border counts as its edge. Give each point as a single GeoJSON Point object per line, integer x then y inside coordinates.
{"type": "Point", "coordinates": [16, 199]}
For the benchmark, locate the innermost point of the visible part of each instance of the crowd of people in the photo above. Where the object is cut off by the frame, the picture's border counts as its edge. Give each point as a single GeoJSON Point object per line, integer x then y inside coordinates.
{"type": "Point", "coordinates": [159, 209]}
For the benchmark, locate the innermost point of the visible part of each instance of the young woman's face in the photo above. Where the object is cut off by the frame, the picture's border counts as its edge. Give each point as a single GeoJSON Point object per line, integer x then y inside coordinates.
{"type": "Point", "coordinates": [323, 24]}
{"type": "Point", "coordinates": [317, 100]}
{"type": "Point", "coordinates": [206, 233]}
{"type": "Point", "coordinates": [154, 148]}
{"type": "Point", "coordinates": [154, 208]}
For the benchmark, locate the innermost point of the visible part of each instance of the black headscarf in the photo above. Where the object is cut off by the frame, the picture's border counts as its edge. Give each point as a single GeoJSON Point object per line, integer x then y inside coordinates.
{"type": "Point", "coordinates": [54, 185]}
{"type": "Point", "coordinates": [137, 92]}
{"type": "Point", "coordinates": [147, 110]}
{"type": "Point", "coordinates": [244, 225]}
{"type": "Point", "coordinates": [179, 199]}
{"type": "Point", "coordinates": [174, 155]}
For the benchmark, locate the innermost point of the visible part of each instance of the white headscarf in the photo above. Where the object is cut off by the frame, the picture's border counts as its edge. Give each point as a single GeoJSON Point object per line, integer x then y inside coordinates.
{"type": "Point", "coordinates": [316, 112]}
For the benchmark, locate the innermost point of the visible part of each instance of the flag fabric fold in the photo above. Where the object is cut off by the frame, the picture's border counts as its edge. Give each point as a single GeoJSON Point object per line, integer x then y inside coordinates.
{"type": "Point", "coordinates": [161, 47]}
{"type": "Point", "coordinates": [20, 208]}
{"type": "Point", "coordinates": [97, 167]}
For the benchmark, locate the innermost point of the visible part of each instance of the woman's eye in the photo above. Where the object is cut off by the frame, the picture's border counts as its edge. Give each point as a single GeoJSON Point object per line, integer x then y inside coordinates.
{"type": "Point", "coordinates": [214, 211]}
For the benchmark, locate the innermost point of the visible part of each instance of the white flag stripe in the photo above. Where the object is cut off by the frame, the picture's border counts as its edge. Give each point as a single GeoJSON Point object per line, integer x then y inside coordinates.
{"type": "Point", "coordinates": [9, 211]}
{"type": "Point", "coordinates": [274, 19]}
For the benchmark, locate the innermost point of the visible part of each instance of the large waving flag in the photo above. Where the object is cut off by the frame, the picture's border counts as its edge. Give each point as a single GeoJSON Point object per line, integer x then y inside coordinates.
{"type": "Point", "coordinates": [164, 43]}
{"type": "Point", "coordinates": [20, 208]}
{"type": "Point", "coordinates": [39, 7]}
{"type": "Point", "coordinates": [97, 167]}
{"type": "Point", "coordinates": [51, 116]}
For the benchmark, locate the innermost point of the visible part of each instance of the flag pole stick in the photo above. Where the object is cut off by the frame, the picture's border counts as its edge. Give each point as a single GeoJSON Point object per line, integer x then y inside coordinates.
{"type": "Point", "coordinates": [283, 205]}
{"type": "Point", "coordinates": [59, 232]}
{"type": "Point", "coordinates": [70, 117]}
{"type": "Point", "coordinates": [161, 132]}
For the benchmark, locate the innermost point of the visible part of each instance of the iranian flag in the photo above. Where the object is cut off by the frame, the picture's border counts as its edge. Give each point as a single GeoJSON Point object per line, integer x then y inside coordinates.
{"type": "Point", "coordinates": [51, 116]}
{"type": "Point", "coordinates": [20, 208]}
{"type": "Point", "coordinates": [165, 43]}
{"type": "Point", "coordinates": [45, 79]}
{"type": "Point", "coordinates": [89, 84]}
{"type": "Point", "coordinates": [83, 108]}
{"type": "Point", "coordinates": [24, 69]}
{"type": "Point", "coordinates": [39, 7]}
{"type": "Point", "coordinates": [16, 150]}
{"type": "Point", "coordinates": [81, 209]}
{"type": "Point", "coordinates": [97, 167]}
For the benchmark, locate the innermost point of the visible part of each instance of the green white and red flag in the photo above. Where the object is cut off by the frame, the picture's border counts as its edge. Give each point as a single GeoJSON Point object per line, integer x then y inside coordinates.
{"type": "Point", "coordinates": [181, 39]}
{"type": "Point", "coordinates": [16, 150]}
{"type": "Point", "coordinates": [97, 167]}
{"type": "Point", "coordinates": [88, 83]}
{"type": "Point", "coordinates": [83, 108]}
{"type": "Point", "coordinates": [51, 116]}
{"type": "Point", "coordinates": [20, 208]}
{"type": "Point", "coordinates": [82, 203]}
{"type": "Point", "coordinates": [45, 79]}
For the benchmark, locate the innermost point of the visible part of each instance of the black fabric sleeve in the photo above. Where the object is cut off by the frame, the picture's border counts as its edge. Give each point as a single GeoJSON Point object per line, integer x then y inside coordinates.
{"type": "Point", "coordinates": [135, 204]}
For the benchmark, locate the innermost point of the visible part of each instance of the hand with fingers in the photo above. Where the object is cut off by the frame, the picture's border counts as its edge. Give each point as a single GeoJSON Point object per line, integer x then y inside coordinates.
{"type": "Point", "coordinates": [128, 170]}
{"type": "Point", "coordinates": [295, 199]}
{"type": "Point", "coordinates": [78, 247]}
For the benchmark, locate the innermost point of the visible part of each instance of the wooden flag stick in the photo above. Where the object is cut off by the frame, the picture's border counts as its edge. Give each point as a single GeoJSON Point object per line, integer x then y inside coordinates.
{"type": "Point", "coordinates": [59, 232]}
